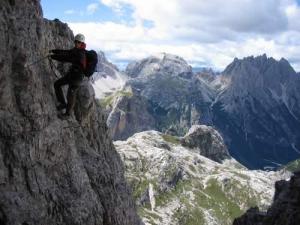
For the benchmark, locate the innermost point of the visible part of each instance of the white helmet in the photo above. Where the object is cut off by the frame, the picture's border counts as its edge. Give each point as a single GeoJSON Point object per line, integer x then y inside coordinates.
{"type": "Point", "coordinates": [80, 38]}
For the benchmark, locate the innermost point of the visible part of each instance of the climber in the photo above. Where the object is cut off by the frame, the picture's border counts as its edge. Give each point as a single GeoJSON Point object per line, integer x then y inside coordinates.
{"type": "Point", "coordinates": [74, 76]}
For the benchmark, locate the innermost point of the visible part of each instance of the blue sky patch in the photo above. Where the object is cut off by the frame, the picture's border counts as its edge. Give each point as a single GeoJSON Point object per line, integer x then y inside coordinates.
{"type": "Point", "coordinates": [71, 11]}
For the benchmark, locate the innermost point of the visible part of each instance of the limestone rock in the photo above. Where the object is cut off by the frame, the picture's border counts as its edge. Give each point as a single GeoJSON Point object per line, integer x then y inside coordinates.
{"type": "Point", "coordinates": [163, 63]}
{"type": "Point", "coordinates": [85, 101]}
{"type": "Point", "coordinates": [284, 210]}
{"type": "Point", "coordinates": [52, 171]}
{"type": "Point", "coordinates": [126, 117]}
{"type": "Point", "coordinates": [207, 141]}
{"type": "Point", "coordinates": [188, 188]}
{"type": "Point", "coordinates": [173, 98]}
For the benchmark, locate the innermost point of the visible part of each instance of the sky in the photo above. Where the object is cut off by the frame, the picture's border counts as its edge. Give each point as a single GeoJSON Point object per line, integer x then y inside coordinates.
{"type": "Point", "coordinates": [206, 33]}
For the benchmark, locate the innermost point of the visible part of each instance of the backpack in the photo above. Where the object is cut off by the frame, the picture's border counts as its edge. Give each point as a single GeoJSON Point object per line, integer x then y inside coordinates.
{"type": "Point", "coordinates": [91, 62]}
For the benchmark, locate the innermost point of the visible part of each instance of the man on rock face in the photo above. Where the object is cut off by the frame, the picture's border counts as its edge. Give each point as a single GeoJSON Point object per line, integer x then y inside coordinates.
{"type": "Point", "coordinates": [74, 76]}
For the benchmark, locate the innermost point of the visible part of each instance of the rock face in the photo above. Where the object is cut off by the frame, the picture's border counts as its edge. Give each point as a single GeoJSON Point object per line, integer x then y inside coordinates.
{"type": "Point", "coordinates": [126, 117]}
{"type": "Point", "coordinates": [284, 210]}
{"type": "Point", "coordinates": [207, 141]}
{"type": "Point", "coordinates": [174, 99]}
{"type": "Point", "coordinates": [258, 112]}
{"type": "Point", "coordinates": [175, 185]}
{"type": "Point", "coordinates": [51, 171]}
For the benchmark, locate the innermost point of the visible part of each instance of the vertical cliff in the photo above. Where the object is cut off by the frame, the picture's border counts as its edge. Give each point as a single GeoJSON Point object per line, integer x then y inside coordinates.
{"type": "Point", "coordinates": [52, 171]}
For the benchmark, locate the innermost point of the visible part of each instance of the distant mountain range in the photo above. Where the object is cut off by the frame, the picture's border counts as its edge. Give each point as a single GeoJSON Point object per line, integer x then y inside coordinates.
{"type": "Point", "coordinates": [204, 70]}
{"type": "Point", "coordinates": [254, 103]}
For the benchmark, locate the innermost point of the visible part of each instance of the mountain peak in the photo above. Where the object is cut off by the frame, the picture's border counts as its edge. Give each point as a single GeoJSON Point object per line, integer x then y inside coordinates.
{"type": "Point", "coordinates": [167, 56]}
{"type": "Point", "coordinates": [266, 87]}
{"type": "Point", "coordinates": [261, 64]}
{"type": "Point", "coordinates": [161, 63]}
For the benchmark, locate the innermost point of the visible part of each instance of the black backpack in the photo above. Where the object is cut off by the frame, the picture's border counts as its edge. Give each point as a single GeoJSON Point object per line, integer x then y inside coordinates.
{"type": "Point", "coordinates": [91, 62]}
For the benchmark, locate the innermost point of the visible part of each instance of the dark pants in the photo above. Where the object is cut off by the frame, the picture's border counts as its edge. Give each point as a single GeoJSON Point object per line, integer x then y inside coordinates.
{"type": "Point", "coordinates": [72, 91]}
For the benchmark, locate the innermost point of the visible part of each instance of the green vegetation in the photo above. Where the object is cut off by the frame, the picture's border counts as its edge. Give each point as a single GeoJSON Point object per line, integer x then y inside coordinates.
{"type": "Point", "coordinates": [221, 201]}
{"type": "Point", "coordinates": [192, 168]}
{"type": "Point", "coordinates": [171, 139]}
{"type": "Point", "coordinates": [149, 215]}
{"type": "Point", "coordinates": [139, 188]}
{"type": "Point", "coordinates": [243, 176]}
{"type": "Point", "coordinates": [139, 185]}
{"type": "Point", "coordinates": [108, 100]}
{"type": "Point", "coordinates": [224, 207]}
{"type": "Point", "coordinates": [164, 198]}
{"type": "Point", "coordinates": [190, 216]}
{"type": "Point", "coordinates": [187, 158]}
{"type": "Point", "coordinates": [293, 166]}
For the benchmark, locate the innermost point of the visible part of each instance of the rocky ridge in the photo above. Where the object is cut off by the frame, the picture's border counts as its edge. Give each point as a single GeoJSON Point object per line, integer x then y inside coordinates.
{"type": "Point", "coordinates": [258, 110]}
{"type": "Point", "coordinates": [174, 185]}
{"type": "Point", "coordinates": [51, 171]}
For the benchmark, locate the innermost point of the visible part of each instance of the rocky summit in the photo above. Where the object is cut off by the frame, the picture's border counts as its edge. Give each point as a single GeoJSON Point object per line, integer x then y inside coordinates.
{"type": "Point", "coordinates": [162, 62]}
{"type": "Point", "coordinates": [52, 171]}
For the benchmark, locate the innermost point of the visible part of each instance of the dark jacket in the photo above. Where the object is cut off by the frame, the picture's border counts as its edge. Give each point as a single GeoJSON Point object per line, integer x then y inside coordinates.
{"type": "Point", "coordinates": [76, 56]}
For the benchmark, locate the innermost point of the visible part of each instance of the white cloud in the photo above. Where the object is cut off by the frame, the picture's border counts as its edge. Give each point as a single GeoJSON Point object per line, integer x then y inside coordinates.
{"type": "Point", "coordinates": [92, 8]}
{"type": "Point", "coordinates": [115, 5]}
{"type": "Point", "coordinates": [203, 32]}
{"type": "Point", "coordinates": [293, 14]}
{"type": "Point", "coordinates": [249, 16]}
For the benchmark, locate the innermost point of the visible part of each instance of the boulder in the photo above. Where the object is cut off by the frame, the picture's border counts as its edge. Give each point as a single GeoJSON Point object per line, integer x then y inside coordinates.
{"type": "Point", "coordinates": [207, 141]}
